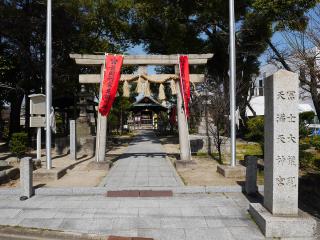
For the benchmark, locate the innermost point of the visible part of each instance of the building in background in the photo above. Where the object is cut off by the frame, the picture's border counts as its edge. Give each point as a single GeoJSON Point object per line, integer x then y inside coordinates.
{"type": "Point", "coordinates": [257, 92]}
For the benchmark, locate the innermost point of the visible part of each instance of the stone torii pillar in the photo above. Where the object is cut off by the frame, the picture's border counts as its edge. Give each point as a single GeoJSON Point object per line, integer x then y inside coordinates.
{"type": "Point", "coordinates": [101, 135]}
{"type": "Point", "coordinates": [184, 142]}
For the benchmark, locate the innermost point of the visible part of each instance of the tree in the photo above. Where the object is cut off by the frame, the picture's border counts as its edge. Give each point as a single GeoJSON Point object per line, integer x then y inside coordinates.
{"type": "Point", "coordinates": [169, 27]}
{"type": "Point", "coordinates": [217, 124]}
{"type": "Point", "coordinates": [215, 113]}
{"type": "Point", "coordinates": [78, 26]}
{"type": "Point", "coordinates": [118, 114]}
{"type": "Point", "coordinates": [10, 93]}
{"type": "Point", "coordinates": [302, 56]}
{"type": "Point", "coordinates": [283, 15]}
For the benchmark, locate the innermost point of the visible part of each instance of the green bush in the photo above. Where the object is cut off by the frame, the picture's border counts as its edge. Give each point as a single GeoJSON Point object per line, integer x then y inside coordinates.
{"type": "Point", "coordinates": [303, 130]}
{"type": "Point", "coordinates": [255, 129]}
{"type": "Point", "coordinates": [306, 159]}
{"type": "Point", "coordinates": [315, 142]}
{"type": "Point", "coordinates": [5, 133]}
{"type": "Point", "coordinates": [113, 121]}
{"type": "Point", "coordinates": [18, 144]}
{"type": "Point", "coordinates": [306, 117]}
{"type": "Point", "coordinates": [304, 146]}
{"type": "Point", "coordinates": [317, 163]}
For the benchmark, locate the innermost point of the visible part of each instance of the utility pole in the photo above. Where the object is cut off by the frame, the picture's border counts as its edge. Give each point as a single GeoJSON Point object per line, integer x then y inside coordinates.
{"type": "Point", "coordinates": [232, 86]}
{"type": "Point", "coordinates": [48, 82]}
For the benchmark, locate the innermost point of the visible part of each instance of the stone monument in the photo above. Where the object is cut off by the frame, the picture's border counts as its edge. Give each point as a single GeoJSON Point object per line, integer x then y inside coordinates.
{"type": "Point", "coordinates": [73, 140]}
{"type": "Point", "coordinates": [279, 216]}
{"type": "Point", "coordinates": [251, 187]}
{"type": "Point", "coordinates": [84, 128]}
{"type": "Point", "coordinates": [26, 181]}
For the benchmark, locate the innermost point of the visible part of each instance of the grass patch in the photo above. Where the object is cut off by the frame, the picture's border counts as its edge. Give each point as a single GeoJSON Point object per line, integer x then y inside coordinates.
{"type": "Point", "coordinates": [182, 179]}
{"type": "Point", "coordinates": [215, 156]}
{"type": "Point", "coordinates": [202, 154]}
{"type": "Point", "coordinates": [260, 177]}
{"type": "Point", "coordinates": [248, 149]}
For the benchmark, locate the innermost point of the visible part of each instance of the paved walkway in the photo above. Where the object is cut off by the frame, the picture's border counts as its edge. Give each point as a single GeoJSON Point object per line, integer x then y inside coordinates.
{"type": "Point", "coordinates": [143, 164]}
{"type": "Point", "coordinates": [220, 216]}
{"type": "Point", "coordinates": [210, 216]}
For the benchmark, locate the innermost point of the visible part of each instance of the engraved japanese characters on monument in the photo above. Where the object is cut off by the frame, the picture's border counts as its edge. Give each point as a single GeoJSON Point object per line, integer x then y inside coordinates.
{"type": "Point", "coordinates": [281, 143]}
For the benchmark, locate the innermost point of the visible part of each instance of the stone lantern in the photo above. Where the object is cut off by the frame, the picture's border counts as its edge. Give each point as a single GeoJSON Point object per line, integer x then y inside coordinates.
{"type": "Point", "coordinates": [84, 127]}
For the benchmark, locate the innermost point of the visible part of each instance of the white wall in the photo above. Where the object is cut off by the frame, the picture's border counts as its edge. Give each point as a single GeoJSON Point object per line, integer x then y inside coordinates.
{"type": "Point", "coordinates": [257, 101]}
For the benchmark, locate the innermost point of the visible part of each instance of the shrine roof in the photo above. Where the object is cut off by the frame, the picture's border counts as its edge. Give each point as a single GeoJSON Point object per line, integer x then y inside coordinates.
{"type": "Point", "coordinates": [148, 103]}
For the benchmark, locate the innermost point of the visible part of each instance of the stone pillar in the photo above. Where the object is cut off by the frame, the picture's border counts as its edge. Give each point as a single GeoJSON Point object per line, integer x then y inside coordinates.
{"type": "Point", "coordinates": [73, 140]}
{"type": "Point", "coordinates": [281, 143]}
{"type": "Point", "coordinates": [279, 216]}
{"type": "Point", "coordinates": [101, 135]}
{"type": "Point", "coordinates": [185, 153]}
{"type": "Point", "coordinates": [251, 174]}
{"type": "Point", "coordinates": [26, 171]}
{"type": "Point", "coordinates": [39, 143]}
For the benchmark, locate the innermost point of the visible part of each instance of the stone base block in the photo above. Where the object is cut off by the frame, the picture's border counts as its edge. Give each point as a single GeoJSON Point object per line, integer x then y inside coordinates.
{"type": "Point", "coordinates": [238, 171]}
{"type": "Point", "coordinates": [61, 145]}
{"type": "Point", "coordinates": [100, 165]}
{"type": "Point", "coordinates": [183, 163]}
{"type": "Point", "coordinates": [52, 174]}
{"type": "Point", "coordinates": [301, 226]}
{"type": "Point", "coordinates": [86, 145]}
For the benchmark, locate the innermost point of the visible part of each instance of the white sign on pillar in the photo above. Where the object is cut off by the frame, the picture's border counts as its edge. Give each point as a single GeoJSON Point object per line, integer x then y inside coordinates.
{"type": "Point", "coordinates": [37, 118]}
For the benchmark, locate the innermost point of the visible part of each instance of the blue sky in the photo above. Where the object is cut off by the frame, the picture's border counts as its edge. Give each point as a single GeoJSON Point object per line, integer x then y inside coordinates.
{"type": "Point", "coordinates": [136, 50]}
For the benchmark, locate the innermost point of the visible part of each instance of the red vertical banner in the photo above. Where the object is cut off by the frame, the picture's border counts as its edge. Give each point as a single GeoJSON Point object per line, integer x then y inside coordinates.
{"type": "Point", "coordinates": [185, 83]}
{"type": "Point", "coordinates": [110, 83]}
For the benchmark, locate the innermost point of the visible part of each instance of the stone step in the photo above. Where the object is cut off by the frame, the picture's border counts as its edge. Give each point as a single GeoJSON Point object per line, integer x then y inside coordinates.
{"type": "Point", "coordinates": [140, 193]}
{"type": "Point", "coordinates": [128, 238]}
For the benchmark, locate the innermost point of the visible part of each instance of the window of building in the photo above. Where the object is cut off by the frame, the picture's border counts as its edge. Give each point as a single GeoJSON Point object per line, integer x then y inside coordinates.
{"type": "Point", "coordinates": [261, 85]}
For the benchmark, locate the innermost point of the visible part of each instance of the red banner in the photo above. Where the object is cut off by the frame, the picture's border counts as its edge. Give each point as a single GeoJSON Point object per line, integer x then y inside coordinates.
{"type": "Point", "coordinates": [110, 83]}
{"type": "Point", "coordinates": [185, 83]}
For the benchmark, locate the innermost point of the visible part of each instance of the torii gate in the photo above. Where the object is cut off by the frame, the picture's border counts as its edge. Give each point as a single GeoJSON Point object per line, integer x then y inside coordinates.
{"type": "Point", "coordinates": [143, 61]}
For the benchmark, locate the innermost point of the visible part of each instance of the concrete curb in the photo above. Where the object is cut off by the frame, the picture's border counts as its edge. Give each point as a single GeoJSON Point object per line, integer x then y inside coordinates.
{"type": "Point", "coordinates": [10, 191]}
{"type": "Point", "coordinates": [103, 190]}
{"type": "Point", "coordinates": [177, 176]}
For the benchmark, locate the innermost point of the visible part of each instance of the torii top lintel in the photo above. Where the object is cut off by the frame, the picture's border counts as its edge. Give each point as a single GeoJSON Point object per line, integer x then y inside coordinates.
{"type": "Point", "coordinates": [194, 59]}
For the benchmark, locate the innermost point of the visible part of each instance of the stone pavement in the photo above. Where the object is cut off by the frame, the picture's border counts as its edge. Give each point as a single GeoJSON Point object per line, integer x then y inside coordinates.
{"type": "Point", "coordinates": [182, 217]}
{"type": "Point", "coordinates": [197, 213]}
{"type": "Point", "coordinates": [143, 164]}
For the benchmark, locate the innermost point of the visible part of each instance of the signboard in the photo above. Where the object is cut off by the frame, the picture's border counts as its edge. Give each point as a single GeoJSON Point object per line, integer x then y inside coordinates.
{"type": "Point", "coordinates": [37, 104]}
{"type": "Point", "coordinates": [37, 121]}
